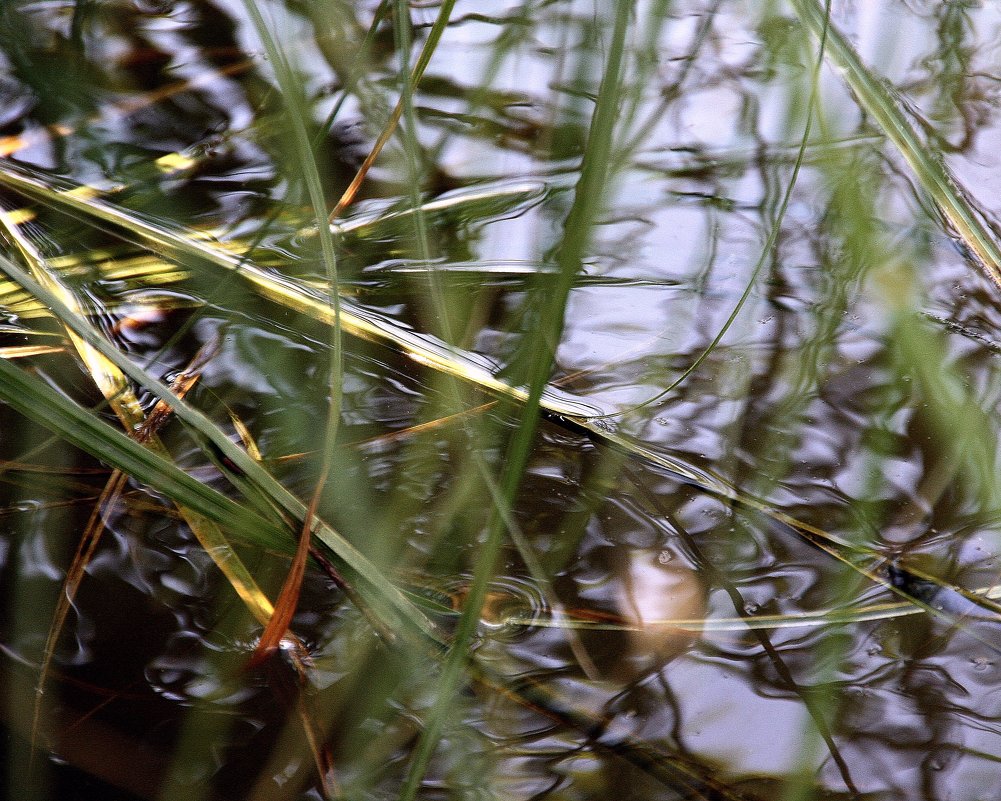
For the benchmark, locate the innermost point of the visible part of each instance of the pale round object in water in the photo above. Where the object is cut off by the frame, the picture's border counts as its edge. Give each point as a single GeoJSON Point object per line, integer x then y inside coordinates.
{"type": "Point", "coordinates": [663, 601]}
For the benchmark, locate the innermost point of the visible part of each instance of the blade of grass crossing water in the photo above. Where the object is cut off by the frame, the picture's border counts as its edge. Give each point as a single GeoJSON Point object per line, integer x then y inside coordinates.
{"type": "Point", "coordinates": [245, 472]}
{"type": "Point", "coordinates": [501, 504]}
{"type": "Point", "coordinates": [878, 100]}
{"type": "Point", "coordinates": [288, 292]}
{"type": "Point", "coordinates": [37, 401]}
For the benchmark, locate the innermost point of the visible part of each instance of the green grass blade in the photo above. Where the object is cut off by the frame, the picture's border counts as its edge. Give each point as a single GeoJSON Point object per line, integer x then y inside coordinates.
{"type": "Point", "coordinates": [587, 202]}
{"type": "Point", "coordinates": [878, 100]}
{"type": "Point", "coordinates": [292, 97]}
{"type": "Point", "coordinates": [37, 401]}
{"type": "Point", "coordinates": [292, 294]}
{"type": "Point", "coordinates": [378, 590]}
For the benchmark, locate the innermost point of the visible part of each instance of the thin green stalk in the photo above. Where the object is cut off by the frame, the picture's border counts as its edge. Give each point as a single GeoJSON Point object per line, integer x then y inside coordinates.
{"type": "Point", "coordinates": [878, 100]}
{"type": "Point", "coordinates": [587, 199]}
{"type": "Point", "coordinates": [352, 80]}
{"type": "Point", "coordinates": [501, 503]}
{"type": "Point", "coordinates": [297, 113]}
{"type": "Point", "coordinates": [401, 33]}
{"type": "Point", "coordinates": [767, 251]}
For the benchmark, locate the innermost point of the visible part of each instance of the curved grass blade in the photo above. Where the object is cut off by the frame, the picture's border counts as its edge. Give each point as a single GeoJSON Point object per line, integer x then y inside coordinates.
{"type": "Point", "coordinates": [291, 93]}
{"type": "Point", "coordinates": [39, 402]}
{"type": "Point", "coordinates": [879, 101]}
{"type": "Point", "coordinates": [288, 292]}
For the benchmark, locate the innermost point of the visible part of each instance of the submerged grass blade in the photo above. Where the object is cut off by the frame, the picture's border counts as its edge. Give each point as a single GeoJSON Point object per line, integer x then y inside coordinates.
{"type": "Point", "coordinates": [878, 100]}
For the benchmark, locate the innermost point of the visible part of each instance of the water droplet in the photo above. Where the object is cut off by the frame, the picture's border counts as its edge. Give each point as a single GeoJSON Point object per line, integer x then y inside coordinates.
{"type": "Point", "coordinates": [751, 608]}
{"type": "Point", "coordinates": [664, 557]}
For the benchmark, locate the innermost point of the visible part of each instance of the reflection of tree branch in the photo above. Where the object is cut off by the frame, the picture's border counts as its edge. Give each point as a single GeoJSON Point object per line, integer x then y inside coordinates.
{"type": "Point", "coordinates": [717, 578]}
{"type": "Point", "coordinates": [686, 777]}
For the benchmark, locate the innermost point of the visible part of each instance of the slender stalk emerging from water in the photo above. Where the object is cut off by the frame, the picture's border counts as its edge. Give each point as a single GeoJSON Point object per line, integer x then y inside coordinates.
{"type": "Point", "coordinates": [587, 202]}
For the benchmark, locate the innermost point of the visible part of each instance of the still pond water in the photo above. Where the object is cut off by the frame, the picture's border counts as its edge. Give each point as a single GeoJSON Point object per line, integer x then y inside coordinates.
{"type": "Point", "coordinates": [742, 581]}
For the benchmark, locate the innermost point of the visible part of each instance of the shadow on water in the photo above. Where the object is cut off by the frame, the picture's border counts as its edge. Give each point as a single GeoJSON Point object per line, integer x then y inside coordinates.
{"type": "Point", "coordinates": [775, 578]}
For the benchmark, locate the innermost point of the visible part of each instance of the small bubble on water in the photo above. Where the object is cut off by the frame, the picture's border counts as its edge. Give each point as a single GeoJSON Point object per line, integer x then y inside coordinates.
{"type": "Point", "coordinates": [664, 557]}
{"type": "Point", "coordinates": [981, 662]}
{"type": "Point", "coordinates": [751, 608]}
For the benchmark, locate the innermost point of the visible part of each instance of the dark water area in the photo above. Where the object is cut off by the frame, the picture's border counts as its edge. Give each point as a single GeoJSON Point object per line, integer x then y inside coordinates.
{"type": "Point", "coordinates": [754, 551]}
